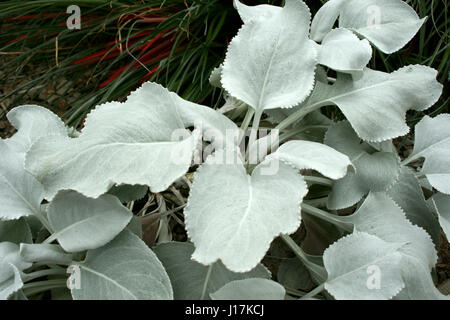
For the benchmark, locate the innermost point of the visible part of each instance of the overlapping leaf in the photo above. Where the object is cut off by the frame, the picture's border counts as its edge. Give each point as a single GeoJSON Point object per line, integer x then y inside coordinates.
{"type": "Point", "coordinates": [270, 63]}
{"type": "Point", "coordinates": [46, 253]}
{"type": "Point", "coordinates": [387, 24]}
{"type": "Point", "coordinates": [442, 205]}
{"type": "Point", "coordinates": [20, 193]}
{"type": "Point", "coordinates": [313, 155]}
{"type": "Point", "coordinates": [11, 264]}
{"type": "Point", "coordinates": [376, 102]}
{"type": "Point", "coordinates": [32, 123]}
{"type": "Point", "coordinates": [351, 261]}
{"type": "Point", "coordinates": [341, 50]}
{"type": "Point", "coordinates": [136, 142]}
{"type": "Point", "coordinates": [190, 279]}
{"type": "Point", "coordinates": [79, 222]}
{"type": "Point", "coordinates": [407, 193]}
{"type": "Point", "coordinates": [382, 217]}
{"type": "Point", "coordinates": [373, 171]}
{"type": "Point", "coordinates": [124, 269]}
{"type": "Point", "coordinates": [432, 141]}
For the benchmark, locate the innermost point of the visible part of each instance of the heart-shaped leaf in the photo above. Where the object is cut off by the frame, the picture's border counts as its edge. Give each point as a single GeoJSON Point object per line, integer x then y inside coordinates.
{"type": "Point", "coordinates": [124, 269]}
{"type": "Point", "coordinates": [238, 227]}
{"type": "Point", "coordinates": [192, 280]}
{"type": "Point", "coordinates": [270, 63]}
{"type": "Point", "coordinates": [80, 223]}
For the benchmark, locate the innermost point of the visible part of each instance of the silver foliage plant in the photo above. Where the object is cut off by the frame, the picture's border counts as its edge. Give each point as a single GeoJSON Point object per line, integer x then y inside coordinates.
{"type": "Point", "coordinates": [72, 185]}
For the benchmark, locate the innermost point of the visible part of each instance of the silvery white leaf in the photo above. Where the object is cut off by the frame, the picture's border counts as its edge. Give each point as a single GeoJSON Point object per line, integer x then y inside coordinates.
{"type": "Point", "coordinates": [9, 254]}
{"type": "Point", "coordinates": [124, 269]}
{"type": "Point", "coordinates": [12, 284]}
{"type": "Point", "coordinates": [250, 289]}
{"type": "Point", "coordinates": [387, 24]}
{"type": "Point", "coordinates": [18, 295]}
{"type": "Point", "coordinates": [407, 193]}
{"type": "Point", "coordinates": [33, 122]}
{"type": "Point", "coordinates": [419, 283]}
{"type": "Point", "coordinates": [442, 205]}
{"type": "Point", "coordinates": [325, 19]}
{"type": "Point", "coordinates": [270, 63]}
{"type": "Point", "coordinates": [216, 76]}
{"type": "Point", "coordinates": [341, 50]}
{"type": "Point", "coordinates": [381, 216]}
{"type": "Point", "coordinates": [80, 223]}
{"type": "Point", "coordinates": [313, 155]}
{"type": "Point", "coordinates": [191, 279]}
{"type": "Point", "coordinates": [11, 265]}
{"type": "Point", "coordinates": [432, 141]}
{"type": "Point", "coordinates": [20, 193]}
{"type": "Point", "coordinates": [121, 143]}
{"type": "Point", "coordinates": [135, 226]}
{"type": "Point", "coordinates": [15, 231]}
{"type": "Point", "coordinates": [354, 260]}
{"type": "Point", "coordinates": [128, 193]}
{"type": "Point", "coordinates": [238, 227]}
{"type": "Point", "coordinates": [259, 12]}
{"type": "Point", "coordinates": [373, 172]}
{"type": "Point", "coordinates": [376, 103]}
{"type": "Point", "coordinates": [41, 252]}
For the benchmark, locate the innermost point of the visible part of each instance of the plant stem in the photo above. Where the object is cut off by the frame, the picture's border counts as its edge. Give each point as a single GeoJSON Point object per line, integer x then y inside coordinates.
{"type": "Point", "coordinates": [205, 284]}
{"type": "Point", "coordinates": [314, 292]}
{"type": "Point", "coordinates": [326, 216]}
{"type": "Point", "coordinates": [294, 292]}
{"type": "Point", "coordinates": [319, 271]}
{"type": "Point", "coordinates": [245, 124]}
{"type": "Point", "coordinates": [43, 219]}
{"type": "Point", "coordinates": [298, 115]}
{"type": "Point", "coordinates": [318, 180]}
{"type": "Point", "coordinates": [254, 132]}
{"type": "Point", "coordinates": [43, 273]}
{"type": "Point", "coordinates": [290, 133]}
{"type": "Point", "coordinates": [40, 286]}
